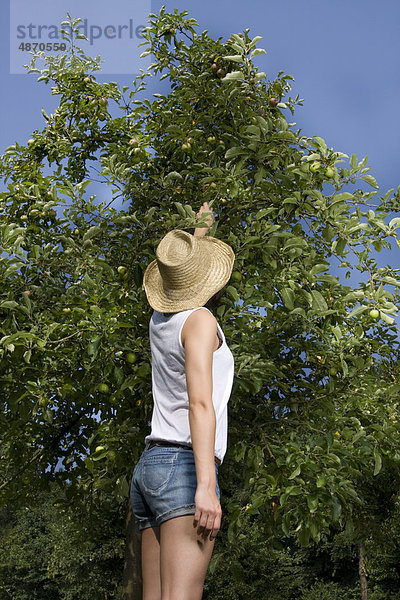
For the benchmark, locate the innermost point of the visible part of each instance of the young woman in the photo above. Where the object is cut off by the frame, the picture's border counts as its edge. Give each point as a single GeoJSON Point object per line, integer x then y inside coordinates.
{"type": "Point", "coordinates": [174, 490]}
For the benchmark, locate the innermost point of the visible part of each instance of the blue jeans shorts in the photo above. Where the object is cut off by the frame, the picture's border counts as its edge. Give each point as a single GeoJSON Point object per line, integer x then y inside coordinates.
{"type": "Point", "coordinates": [164, 485]}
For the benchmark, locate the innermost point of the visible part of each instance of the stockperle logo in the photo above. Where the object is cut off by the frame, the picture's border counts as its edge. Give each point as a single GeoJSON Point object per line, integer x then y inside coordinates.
{"type": "Point", "coordinates": [114, 31]}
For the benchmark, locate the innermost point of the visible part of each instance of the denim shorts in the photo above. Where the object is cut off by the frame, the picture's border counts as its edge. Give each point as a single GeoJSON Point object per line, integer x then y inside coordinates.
{"type": "Point", "coordinates": [164, 485]}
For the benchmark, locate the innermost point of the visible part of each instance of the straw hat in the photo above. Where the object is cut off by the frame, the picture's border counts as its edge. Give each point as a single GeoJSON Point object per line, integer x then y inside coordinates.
{"type": "Point", "coordinates": [188, 270]}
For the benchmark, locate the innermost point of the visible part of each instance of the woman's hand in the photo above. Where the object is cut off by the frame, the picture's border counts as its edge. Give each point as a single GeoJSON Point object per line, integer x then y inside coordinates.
{"type": "Point", "coordinates": [208, 513]}
{"type": "Point", "coordinates": [200, 231]}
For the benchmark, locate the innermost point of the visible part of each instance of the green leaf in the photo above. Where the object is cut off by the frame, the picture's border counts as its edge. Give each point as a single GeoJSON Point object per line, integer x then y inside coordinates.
{"type": "Point", "coordinates": [341, 197]}
{"type": "Point", "coordinates": [27, 356]}
{"type": "Point", "coordinates": [254, 41]}
{"type": "Point", "coordinates": [336, 508]}
{"type": "Point", "coordinates": [286, 524]}
{"type": "Point", "coordinates": [9, 304]}
{"type": "Point", "coordinates": [232, 293]}
{"type": "Point", "coordinates": [257, 51]}
{"type": "Point", "coordinates": [340, 245]}
{"type": "Point", "coordinates": [91, 232]}
{"type": "Point", "coordinates": [263, 124]}
{"type": "Point", "coordinates": [358, 310]}
{"type": "Point", "coordinates": [371, 180]}
{"type": "Point", "coordinates": [234, 151]}
{"type": "Point", "coordinates": [123, 486]}
{"type": "Point", "coordinates": [344, 366]}
{"type": "Point", "coordinates": [94, 346]}
{"type": "Point", "coordinates": [312, 502]}
{"type": "Point", "coordinates": [287, 295]}
{"type": "Point", "coordinates": [318, 269]}
{"type": "Point", "coordinates": [386, 318]}
{"type": "Point", "coordinates": [304, 536]}
{"type": "Point", "coordinates": [295, 473]}
{"type": "Point", "coordinates": [233, 75]}
{"type": "Point", "coordinates": [235, 58]}
{"type": "Point", "coordinates": [378, 462]}
{"type": "Point", "coordinates": [88, 280]}
{"type": "Point", "coordinates": [180, 209]}
{"type": "Point", "coordinates": [315, 532]}
{"type": "Point", "coordinates": [319, 302]}
{"type": "Point", "coordinates": [261, 213]}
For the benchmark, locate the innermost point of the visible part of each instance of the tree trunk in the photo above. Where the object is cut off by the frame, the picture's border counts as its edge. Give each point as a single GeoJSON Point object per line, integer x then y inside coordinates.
{"type": "Point", "coordinates": [132, 575]}
{"type": "Point", "coordinates": [362, 572]}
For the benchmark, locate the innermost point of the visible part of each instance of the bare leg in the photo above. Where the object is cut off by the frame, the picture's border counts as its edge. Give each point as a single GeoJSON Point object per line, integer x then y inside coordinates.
{"type": "Point", "coordinates": [151, 563]}
{"type": "Point", "coordinates": [185, 556]}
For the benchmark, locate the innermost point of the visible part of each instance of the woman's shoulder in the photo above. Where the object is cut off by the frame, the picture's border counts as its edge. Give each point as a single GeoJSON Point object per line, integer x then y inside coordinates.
{"type": "Point", "coordinates": [200, 318]}
{"type": "Point", "coordinates": [202, 314]}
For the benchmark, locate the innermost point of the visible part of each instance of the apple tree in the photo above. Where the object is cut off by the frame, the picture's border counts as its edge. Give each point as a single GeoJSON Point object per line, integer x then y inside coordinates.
{"type": "Point", "coordinates": [312, 413]}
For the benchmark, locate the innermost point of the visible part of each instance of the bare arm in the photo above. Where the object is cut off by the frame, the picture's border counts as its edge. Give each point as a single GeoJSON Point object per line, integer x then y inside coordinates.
{"type": "Point", "coordinates": [204, 209]}
{"type": "Point", "coordinates": [199, 339]}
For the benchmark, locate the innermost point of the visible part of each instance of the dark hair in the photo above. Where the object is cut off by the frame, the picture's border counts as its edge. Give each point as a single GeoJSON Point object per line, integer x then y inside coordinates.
{"type": "Point", "coordinates": [212, 303]}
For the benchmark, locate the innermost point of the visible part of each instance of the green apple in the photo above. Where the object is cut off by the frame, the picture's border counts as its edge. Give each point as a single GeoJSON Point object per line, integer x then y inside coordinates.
{"type": "Point", "coordinates": [67, 388]}
{"type": "Point", "coordinates": [103, 387]}
{"type": "Point", "coordinates": [99, 448]}
{"type": "Point", "coordinates": [133, 142]}
{"type": "Point", "coordinates": [374, 314]}
{"type": "Point", "coordinates": [329, 172]}
{"type": "Point", "coordinates": [332, 371]}
{"type": "Point", "coordinates": [221, 73]}
{"type": "Point", "coordinates": [273, 101]}
{"type": "Point", "coordinates": [236, 276]}
{"type": "Point", "coordinates": [31, 141]}
{"type": "Point", "coordinates": [137, 150]}
{"type": "Point", "coordinates": [315, 166]}
{"type": "Point", "coordinates": [121, 270]}
{"type": "Point", "coordinates": [67, 309]}
{"type": "Point", "coordinates": [131, 357]}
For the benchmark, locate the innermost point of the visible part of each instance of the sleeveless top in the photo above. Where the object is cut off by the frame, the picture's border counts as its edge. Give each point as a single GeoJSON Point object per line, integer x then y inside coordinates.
{"type": "Point", "coordinates": [170, 419]}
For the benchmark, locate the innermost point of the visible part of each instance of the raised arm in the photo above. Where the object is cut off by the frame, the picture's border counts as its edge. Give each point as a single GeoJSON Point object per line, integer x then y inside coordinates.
{"type": "Point", "coordinates": [200, 231]}
{"type": "Point", "coordinates": [199, 335]}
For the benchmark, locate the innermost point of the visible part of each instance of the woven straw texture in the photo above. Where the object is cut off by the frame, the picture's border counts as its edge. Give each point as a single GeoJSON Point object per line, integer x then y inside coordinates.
{"type": "Point", "coordinates": [187, 271]}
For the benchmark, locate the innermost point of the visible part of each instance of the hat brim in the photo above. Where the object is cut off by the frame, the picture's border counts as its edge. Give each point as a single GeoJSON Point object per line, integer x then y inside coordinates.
{"type": "Point", "coordinates": [163, 299]}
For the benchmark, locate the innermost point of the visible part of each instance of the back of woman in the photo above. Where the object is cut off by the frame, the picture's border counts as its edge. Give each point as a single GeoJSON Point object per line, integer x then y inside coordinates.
{"type": "Point", "coordinates": [175, 495]}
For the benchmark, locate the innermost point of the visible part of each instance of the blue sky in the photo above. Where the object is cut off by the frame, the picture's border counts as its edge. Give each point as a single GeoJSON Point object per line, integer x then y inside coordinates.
{"type": "Point", "coordinates": [344, 57]}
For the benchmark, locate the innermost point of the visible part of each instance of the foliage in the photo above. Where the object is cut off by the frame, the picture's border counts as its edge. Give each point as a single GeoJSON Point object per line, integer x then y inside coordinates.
{"type": "Point", "coordinates": [314, 409]}
{"type": "Point", "coordinates": [46, 554]}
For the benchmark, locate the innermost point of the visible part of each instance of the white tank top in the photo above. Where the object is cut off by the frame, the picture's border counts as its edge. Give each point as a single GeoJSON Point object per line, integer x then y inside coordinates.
{"type": "Point", "coordinates": [170, 419]}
